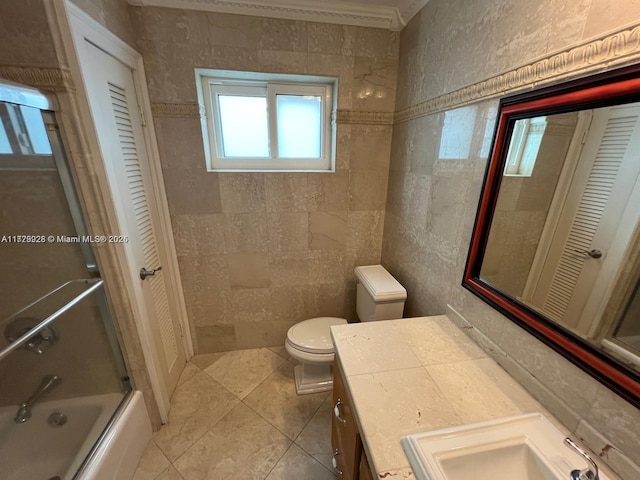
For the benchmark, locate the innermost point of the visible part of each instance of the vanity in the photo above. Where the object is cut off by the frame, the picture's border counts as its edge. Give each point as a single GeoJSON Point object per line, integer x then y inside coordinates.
{"type": "Point", "coordinates": [399, 377]}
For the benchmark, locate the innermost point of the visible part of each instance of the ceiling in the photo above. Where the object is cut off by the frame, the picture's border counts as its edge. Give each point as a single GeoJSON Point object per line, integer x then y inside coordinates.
{"type": "Point", "coordinates": [388, 14]}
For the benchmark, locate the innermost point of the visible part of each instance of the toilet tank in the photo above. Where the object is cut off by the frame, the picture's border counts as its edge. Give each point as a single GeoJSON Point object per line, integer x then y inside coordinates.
{"type": "Point", "coordinates": [379, 296]}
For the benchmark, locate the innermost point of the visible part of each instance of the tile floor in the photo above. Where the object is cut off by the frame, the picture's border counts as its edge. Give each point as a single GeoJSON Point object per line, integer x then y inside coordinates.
{"type": "Point", "coordinates": [236, 415]}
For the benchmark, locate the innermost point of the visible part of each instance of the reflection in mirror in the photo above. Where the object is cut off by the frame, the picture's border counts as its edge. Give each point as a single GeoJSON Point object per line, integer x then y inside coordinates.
{"type": "Point", "coordinates": [565, 221]}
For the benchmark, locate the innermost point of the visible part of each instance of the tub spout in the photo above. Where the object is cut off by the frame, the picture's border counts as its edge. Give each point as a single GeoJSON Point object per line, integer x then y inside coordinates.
{"type": "Point", "coordinates": [24, 409]}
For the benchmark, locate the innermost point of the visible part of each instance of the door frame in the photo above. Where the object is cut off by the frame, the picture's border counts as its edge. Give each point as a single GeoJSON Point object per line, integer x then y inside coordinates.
{"type": "Point", "coordinates": [72, 23]}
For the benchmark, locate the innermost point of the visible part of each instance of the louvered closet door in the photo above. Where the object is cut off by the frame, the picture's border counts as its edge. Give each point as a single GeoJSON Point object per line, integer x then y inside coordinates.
{"type": "Point", "coordinates": [115, 110]}
{"type": "Point", "coordinates": [603, 182]}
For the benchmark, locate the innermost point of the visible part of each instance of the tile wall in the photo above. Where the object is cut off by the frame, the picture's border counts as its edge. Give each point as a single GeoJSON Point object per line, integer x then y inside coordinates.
{"type": "Point", "coordinates": [259, 252]}
{"type": "Point", "coordinates": [432, 199]}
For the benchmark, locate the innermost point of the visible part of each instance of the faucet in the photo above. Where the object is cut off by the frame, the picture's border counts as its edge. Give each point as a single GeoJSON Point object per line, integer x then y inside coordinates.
{"type": "Point", "coordinates": [24, 410]}
{"type": "Point", "coordinates": [589, 473]}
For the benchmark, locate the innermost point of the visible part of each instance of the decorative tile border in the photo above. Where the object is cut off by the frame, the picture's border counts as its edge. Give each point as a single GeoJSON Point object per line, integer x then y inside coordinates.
{"type": "Point", "coordinates": [348, 117]}
{"type": "Point", "coordinates": [613, 50]}
{"type": "Point", "coordinates": [43, 78]}
{"type": "Point", "coordinates": [357, 117]}
{"type": "Point", "coordinates": [180, 110]}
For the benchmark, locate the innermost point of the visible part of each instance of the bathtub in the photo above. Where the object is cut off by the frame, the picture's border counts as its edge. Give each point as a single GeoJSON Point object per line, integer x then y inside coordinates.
{"type": "Point", "coordinates": [36, 449]}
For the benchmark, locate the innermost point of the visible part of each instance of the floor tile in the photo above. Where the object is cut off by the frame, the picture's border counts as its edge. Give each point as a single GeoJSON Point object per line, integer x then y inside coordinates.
{"type": "Point", "coordinates": [242, 371]}
{"type": "Point", "coordinates": [240, 446]}
{"type": "Point", "coordinates": [316, 437]}
{"type": "Point", "coordinates": [152, 463]}
{"type": "Point", "coordinates": [190, 371]}
{"type": "Point", "coordinates": [325, 459]}
{"type": "Point", "coordinates": [170, 474]}
{"type": "Point", "coordinates": [195, 407]}
{"type": "Point", "coordinates": [203, 360]}
{"type": "Point", "coordinates": [276, 401]}
{"type": "Point", "coordinates": [281, 351]}
{"type": "Point", "coordinates": [297, 464]}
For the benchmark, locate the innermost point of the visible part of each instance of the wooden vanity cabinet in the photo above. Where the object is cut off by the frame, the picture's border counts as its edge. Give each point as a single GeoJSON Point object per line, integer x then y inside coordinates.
{"type": "Point", "coordinates": [349, 457]}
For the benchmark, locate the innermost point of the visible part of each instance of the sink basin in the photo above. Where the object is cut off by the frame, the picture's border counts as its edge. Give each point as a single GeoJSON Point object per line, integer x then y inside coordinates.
{"type": "Point", "coordinates": [526, 447]}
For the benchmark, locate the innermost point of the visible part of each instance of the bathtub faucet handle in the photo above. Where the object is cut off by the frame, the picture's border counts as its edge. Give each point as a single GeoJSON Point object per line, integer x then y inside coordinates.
{"type": "Point", "coordinates": [24, 409]}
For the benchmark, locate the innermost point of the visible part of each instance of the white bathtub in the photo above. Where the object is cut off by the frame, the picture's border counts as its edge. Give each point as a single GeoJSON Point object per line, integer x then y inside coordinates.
{"type": "Point", "coordinates": [37, 450]}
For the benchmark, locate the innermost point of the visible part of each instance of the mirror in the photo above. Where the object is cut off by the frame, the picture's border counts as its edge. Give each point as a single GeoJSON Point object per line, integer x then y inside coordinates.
{"type": "Point", "coordinates": [556, 245]}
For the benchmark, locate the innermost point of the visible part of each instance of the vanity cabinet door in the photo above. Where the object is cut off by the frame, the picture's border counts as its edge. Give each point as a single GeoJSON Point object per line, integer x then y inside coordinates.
{"type": "Point", "coordinates": [365, 469]}
{"type": "Point", "coordinates": [345, 438]}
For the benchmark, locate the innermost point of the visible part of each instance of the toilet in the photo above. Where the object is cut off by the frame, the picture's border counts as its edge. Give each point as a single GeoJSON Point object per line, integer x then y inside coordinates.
{"type": "Point", "coordinates": [379, 296]}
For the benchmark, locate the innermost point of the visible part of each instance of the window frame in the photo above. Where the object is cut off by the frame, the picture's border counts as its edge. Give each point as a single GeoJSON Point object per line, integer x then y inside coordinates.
{"type": "Point", "coordinates": [516, 164]}
{"type": "Point", "coordinates": [211, 83]}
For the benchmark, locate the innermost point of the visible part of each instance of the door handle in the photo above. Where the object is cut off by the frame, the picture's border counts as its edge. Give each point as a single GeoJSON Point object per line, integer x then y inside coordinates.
{"type": "Point", "coordinates": [595, 253]}
{"type": "Point", "coordinates": [144, 273]}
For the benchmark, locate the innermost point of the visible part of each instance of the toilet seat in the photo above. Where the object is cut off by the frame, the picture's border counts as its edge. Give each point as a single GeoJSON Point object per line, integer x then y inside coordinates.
{"type": "Point", "coordinates": [313, 336]}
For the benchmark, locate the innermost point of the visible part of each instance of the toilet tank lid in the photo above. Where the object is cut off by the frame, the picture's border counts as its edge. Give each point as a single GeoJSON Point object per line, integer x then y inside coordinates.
{"type": "Point", "coordinates": [380, 284]}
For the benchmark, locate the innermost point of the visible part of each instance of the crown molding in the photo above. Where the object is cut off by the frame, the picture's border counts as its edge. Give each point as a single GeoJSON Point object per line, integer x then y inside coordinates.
{"type": "Point", "coordinates": [604, 53]}
{"type": "Point", "coordinates": [343, 13]}
{"type": "Point", "coordinates": [408, 9]}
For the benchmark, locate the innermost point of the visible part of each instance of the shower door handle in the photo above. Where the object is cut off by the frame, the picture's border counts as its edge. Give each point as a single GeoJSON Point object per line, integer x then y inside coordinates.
{"type": "Point", "coordinates": [144, 273]}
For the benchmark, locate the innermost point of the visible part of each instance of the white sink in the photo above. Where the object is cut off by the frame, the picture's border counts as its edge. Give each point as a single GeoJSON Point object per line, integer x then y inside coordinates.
{"type": "Point", "coordinates": [526, 447]}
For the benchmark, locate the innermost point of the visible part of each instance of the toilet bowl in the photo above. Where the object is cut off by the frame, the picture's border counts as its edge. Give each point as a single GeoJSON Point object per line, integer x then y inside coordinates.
{"type": "Point", "coordinates": [379, 297]}
{"type": "Point", "coordinates": [310, 343]}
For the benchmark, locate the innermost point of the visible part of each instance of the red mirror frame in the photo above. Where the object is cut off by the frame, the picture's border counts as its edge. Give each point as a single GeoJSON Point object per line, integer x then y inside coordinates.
{"type": "Point", "coordinates": [616, 87]}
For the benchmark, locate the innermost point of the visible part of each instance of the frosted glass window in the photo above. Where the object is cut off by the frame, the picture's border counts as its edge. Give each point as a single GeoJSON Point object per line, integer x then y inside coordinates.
{"type": "Point", "coordinates": [5, 146]}
{"type": "Point", "coordinates": [244, 125]}
{"type": "Point", "coordinates": [267, 122]}
{"type": "Point", "coordinates": [299, 126]}
{"type": "Point", "coordinates": [37, 133]}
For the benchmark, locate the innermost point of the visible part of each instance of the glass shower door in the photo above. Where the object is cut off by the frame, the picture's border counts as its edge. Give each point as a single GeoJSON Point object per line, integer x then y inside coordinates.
{"type": "Point", "coordinates": [62, 375]}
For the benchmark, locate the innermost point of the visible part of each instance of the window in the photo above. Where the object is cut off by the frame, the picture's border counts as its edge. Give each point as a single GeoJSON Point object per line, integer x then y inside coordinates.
{"type": "Point", "coordinates": [524, 147]}
{"type": "Point", "coordinates": [267, 122]}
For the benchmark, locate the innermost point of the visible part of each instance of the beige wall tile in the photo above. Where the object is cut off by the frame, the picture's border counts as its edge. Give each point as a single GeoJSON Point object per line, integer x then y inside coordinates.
{"type": "Point", "coordinates": [333, 39]}
{"type": "Point", "coordinates": [328, 192]}
{"type": "Point", "coordinates": [367, 190]}
{"type": "Point", "coordinates": [246, 232]}
{"type": "Point", "coordinates": [242, 192]}
{"type": "Point", "coordinates": [288, 232]}
{"type": "Point", "coordinates": [289, 268]}
{"type": "Point", "coordinates": [262, 331]}
{"type": "Point", "coordinates": [25, 39]}
{"type": "Point", "coordinates": [370, 147]}
{"type": "Point", "coordinates": [282, 35]}
{"type": "Point", "coordinates": [191, 192]}
{"type": "Point", "coordinates": [249, 270]}
{"type": "Point", "coordinates": [363, 230]}
{"type": "Point", "coordinates": [286, 192]}
{"type": "Point", "coordinates": [327, 230]}
{"type": "Point", "coordinates": [199, 234]}
{"type": "Point", "coordinates": [605, 16]}
{"type": "Point", "coordinates": [215, 338]}
{"type": "Point", "coordinates": [374, 84]}
{"type": "Point", "coordinates": [180, 143]}
{"type": "Point", "coordinates": [325, 266]}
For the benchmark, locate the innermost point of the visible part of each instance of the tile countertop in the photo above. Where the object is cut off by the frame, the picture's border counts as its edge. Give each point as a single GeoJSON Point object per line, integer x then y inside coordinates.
{"type": "Point", "coordinates": [419, 374]}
